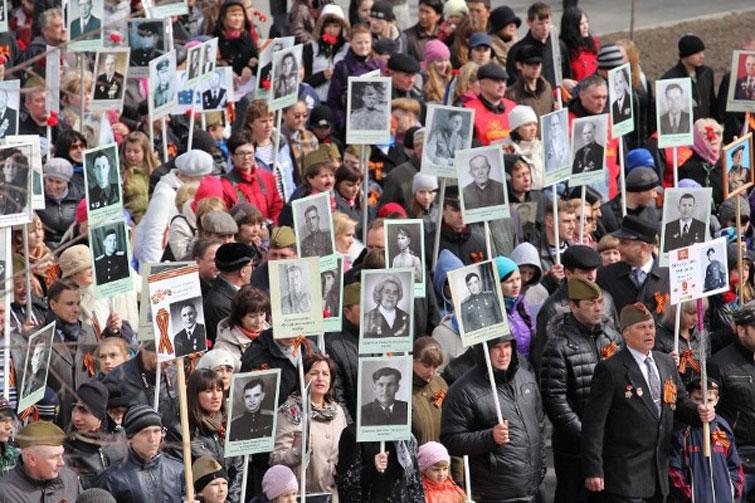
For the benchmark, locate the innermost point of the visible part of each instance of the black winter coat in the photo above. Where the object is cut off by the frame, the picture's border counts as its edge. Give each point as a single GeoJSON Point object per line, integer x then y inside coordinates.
{"type": "Point", "coordinates": [90, 457]}
{"type": "Point", "coordinates": [499, 473]}
{"type": "Point", "coordinates": [159, 480]}
{"type": "Point", "coordinates": [58, 216]}
{"type": "Point", "coordinates": [468, 245]}
{"type": "Point", "coordinates": [569, 359]}
{"type": "Point", "coordinates": [217, 305]}
{"type": "Point", "coordinates": [615, 279]}
{"type": "Point", "coordinates": [211, 444]}
{"type": "Point", "coordinates": [703, 91]}
{"type": "Point", "coordinates": [343, 348]}
{"type": "Point", "coordinates": [705, 174]}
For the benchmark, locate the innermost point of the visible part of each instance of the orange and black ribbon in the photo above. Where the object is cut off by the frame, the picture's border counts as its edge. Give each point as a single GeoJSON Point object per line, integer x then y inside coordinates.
{"type": "Point", "coordinates": [608, 350]}
{"type": "Point", "coordinates": [660, 302]}
{"type": "Point", "coordinates": [719, 437]}
{"type": "Point", "coordinates": [162, 317]}
{"type": "Point", "coordinates": [438, 398]}
{"type": "Point", "coordinates": [89, 364]}
{"type": "Point", "coordinates": [687, 358]}
{"type": "Point", "coordinates": [30, 412]}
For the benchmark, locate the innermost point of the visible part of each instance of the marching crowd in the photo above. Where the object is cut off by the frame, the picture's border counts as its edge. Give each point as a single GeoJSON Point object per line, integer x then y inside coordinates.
{"type": "Point", "coordinates": [589, 369]}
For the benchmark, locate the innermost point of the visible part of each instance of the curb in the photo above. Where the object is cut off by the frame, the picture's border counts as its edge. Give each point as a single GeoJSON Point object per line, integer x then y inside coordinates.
{"type": "Point", "coordinates": [668, 24]}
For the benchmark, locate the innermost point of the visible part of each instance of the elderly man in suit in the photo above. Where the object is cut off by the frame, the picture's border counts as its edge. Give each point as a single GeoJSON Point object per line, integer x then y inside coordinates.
{"type": "Point", "coordinates": [8, 116]}
{"type": "Point", "coordinates": [621, 108]}
{"type": "Point", "coordinates": [676, 120]}
{"type": "Point", "coordinates": [109, 85]}
{"type": "Point", "coordinates": [385, 409]}
{"type": "Point", "coordinates": [215, 97]}
{"type": "Point", "coordinates": [192, 338]}
{"type": "Point", "coordinates": [483, 191]}
{"type": "Point", "coordinates": [745, 86]}
{"type": "Point", "coordinates": [86, 25]}
{"type": "Point", "coordinates": [685, 230]}
{"type": "Point", "coordinates": [590, 156]}
{"type": "Point", "coordinates": [627, 427]}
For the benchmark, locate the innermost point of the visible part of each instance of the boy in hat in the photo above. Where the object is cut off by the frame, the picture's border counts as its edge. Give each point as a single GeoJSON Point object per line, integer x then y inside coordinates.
{"type": "Point", "coordinates": [531, 88]}
{"type": "Point", "coordinates": [210, 480]}
{"type": "Point", "coordinates": [690, 473]}
{"type": "Point", "coordinates": [503, 24]}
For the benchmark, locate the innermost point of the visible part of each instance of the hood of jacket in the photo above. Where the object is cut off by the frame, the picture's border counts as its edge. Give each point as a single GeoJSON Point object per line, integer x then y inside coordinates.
{"type": "Point", "coordinates": [447, 261]}
{"type": "Point", "coordinates": [526, 254]}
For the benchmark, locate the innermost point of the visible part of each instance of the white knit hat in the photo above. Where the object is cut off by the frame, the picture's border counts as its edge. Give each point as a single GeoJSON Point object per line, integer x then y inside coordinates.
{"type": "Point", "coordinates": [422, 181]}
{"type": "Point", "coordinates": [332, 10]}
{"type": "Point", "coordinates": [217, 357]}
{"type": "Point", "coordinates": [455, 7]}
{"type": "Point", "coordinates": [521, 115]}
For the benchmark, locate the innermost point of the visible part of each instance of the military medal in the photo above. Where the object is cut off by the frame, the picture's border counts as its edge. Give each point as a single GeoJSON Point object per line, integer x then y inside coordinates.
{"type": "Point", "coordinates": [639, 392]}
{"type": "Point", "coordinates": [628, 392]}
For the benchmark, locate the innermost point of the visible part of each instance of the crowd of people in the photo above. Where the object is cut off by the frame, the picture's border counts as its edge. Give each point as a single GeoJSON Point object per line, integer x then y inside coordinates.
{"type": "Point", "coordinates": [588, 369]}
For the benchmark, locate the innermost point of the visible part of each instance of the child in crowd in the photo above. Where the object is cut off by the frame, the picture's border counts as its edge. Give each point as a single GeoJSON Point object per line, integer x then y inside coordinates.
{"type": "Point", "coordinates": [521, 321]}
{"type": "Point", "coordinates": [434, 462]}
{"type": "Point", "coordinates": [608, 248]}
{"type": "Point", "coordinates": [279, 485]}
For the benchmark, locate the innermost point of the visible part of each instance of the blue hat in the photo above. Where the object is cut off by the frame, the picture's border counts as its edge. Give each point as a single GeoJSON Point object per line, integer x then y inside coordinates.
{"type": "Point", "coordinates": [479, 38]}
{"type": "Point", "coordinates": [639, 157]}
{"type": "Point", "coordinates": [506, 267]}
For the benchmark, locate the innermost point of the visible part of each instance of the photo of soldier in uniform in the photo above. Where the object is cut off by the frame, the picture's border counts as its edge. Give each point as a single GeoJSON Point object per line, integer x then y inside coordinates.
{"type": "Point", "coordinates": [715, 269]}
{"type": "Point", "coordinates": [102, 176]}
{"type": "Point", "coordinates": [14, 189]}
{"type": "Point", "coordinates": [449, 132]}
{"type": "Point", "coordinates": [404, 246]}
{"type": "Point", "coordinates": [383, 407]}
{"type": "Point", "coordinates": [331, 287]}
{"type": "Point", "coordinates": [190, 336]}
{"type": "Point", "coordinates": [368, 111]}
{"type": "Point", "coordinates": [35, 371]}
{"type": "Point", "coordinates": [253, 406]}
{"type": "Point", "coordinates": [110, 256]}
{"type": "Point", "coordinates": [737, 160]}
{"type": "Point", "coordinates": [386, 310]}
{"type": "Point", "coordinates": [286, 75]}
{"type": "Point", "coordinates": [588, 141]}
{"type": "Point", "coordinates": [162, 85]}
{"type": "Point", "coordinates": [295, 297]}
{"type": "Point", "coordinates": [9, 92]}
{"type": "Point", "coordinates": [555, 143]}
{"type": "Point", "coordinates": [686, 213]}
{"type": "Point", "coordinates": [314, 226]}
{"type": "Point", "coordinates": [146, 38]}
{"type": "Point", "coordinates": [164, 91]}
{"type": "Point", "coordinates": [111, 68]}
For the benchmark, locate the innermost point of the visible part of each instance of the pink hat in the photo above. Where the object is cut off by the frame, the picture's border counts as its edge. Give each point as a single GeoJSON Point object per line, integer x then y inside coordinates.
{"type": "Point", "coordinates": [435, 50]}
{"type": "Point", "coordinates": [209, 186]}
{"type": "Point", "coordinates": [279, 480]}
{"type": "Point", "coordinates": [81, 211]}
{"type": "Point", "coordinates": [431, 453]}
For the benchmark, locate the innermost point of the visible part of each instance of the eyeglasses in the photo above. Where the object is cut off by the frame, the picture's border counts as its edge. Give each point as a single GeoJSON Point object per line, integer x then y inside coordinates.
{"type": "Point", "coordinates": [244, 153]}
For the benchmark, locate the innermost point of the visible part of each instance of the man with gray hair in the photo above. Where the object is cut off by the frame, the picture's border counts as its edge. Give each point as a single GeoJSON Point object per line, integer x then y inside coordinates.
{"type": "Point", "coordinates": [483, 191]}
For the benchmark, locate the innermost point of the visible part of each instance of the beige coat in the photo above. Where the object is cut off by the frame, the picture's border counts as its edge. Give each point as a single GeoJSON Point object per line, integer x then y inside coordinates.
{"type": "Point", "coordinates": [232, 339]}
{"type": "Point", "coordinates": [324, 457]}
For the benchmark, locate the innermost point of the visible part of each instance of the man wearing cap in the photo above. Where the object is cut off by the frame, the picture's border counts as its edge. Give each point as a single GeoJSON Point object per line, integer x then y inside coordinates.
{"type": "Point", "coordinates": [685, 230]}
{"type": "Point", "coordinates": [218, 225]}
{"type": "Point", "coordinates": [40, 474]}
{"type": "Point", "coordinates": [568, 362]}
{"type": "Point", "coordinates": [322, 122]}
{"type": "Point", "coordinates": [638, 277]}
{"type": "Point", "coordinates": [403, 70]}
{"type": "Point", "coordinates": [429, 15]}
{"type": "Point", "coordinates": [466, 242]}
{"type": "Point", "coordinates": [505, 458]}
{"type": "Point", "coordinates": [61, 199]}
{"type": "Point", "coordinates": [691, 57]}
{"type": "Point", "coordinates": [491, 108]}
{"type": "Point", "coordinates": [234, 264]}
{"type": "Point", "coordinates": [147, 474]}
{"type": "Point", "coordinates": [642, 185]}
{"type": "Point", "coordinates": [531, 88]}
{"type": "Point", "coordinates": [112, 264]}
{"type": "Point", "coordinates": [627, 425]}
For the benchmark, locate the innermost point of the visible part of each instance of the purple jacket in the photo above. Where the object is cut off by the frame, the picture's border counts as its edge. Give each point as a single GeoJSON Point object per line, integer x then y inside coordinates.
{"type": "Point", "coordinates": [350, 66]}
{"type": "Point", "coordinates": [522, 327]}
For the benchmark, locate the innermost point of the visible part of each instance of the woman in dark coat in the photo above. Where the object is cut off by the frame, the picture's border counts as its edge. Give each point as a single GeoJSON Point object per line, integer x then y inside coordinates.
{"type": "Point", "coordinates": [236, 43]}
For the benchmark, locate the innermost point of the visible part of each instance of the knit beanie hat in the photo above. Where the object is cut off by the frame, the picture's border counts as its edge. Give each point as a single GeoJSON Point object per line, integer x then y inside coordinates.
{"type": "Point", "coordinates": [423, 181]}
{"type": "Point", "coordinates": [689, 183]}
{"type": "Point", "coordinates": [506, 267]}
{"type": "Point", "coordinates": [95, 495]}
{"type": "Point", "coordinates": [59, 168]}
{"type": "Point", "coordinates": [279, 480]}
{"type": "Point", "coordinates": [390, 208]}
{"type": "Point", "coordinates": [690, 44]}
{"type": "Point", "coordinates": [727, 212]}
{"type": "Point", "coordinates": [205, 470]}
{"type": "Point", "coordinates": [431, 453]}
{"type": "Point", "coordinates": [521, 115]}
{"type": "Point", "coordinates": [139, 417]}
{"type": "Point", "coordinates": [609, 57]}
{"type": "Point", "coordinates": [639, 157]}
{"type": "Point", "coordinates": [435, 50]}
{"type": "Point", "coordinates": [74, 260]}
{"type": "Point", "coordinates": [81, 212]}
{"type": "Point", "coordinates": [93, 395]}
{"type": "Point", "coordinates": [217, 357]}
{"type": "Point", "coordinates": [455, 8]}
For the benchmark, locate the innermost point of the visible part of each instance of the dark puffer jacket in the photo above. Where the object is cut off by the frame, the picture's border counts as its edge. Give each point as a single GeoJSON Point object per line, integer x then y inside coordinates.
{"type": "Point", "coordinates": [159, 480]}
{"type": "Point", "coordinates": [499, 473]}
{"type": "Point", "coordinates": [343, 347]}
{"type": "Point", "coordinates": [568, 362]}
{"type": "Point", "coordinates": [58, 216]}
{"type": "Point", "coordinates": [89, 456]}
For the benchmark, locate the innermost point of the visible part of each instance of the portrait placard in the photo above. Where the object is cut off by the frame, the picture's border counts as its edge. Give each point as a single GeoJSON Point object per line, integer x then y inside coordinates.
{"type": "Point", "coordinates": [384, 397]}
{"type": "Point", "coordinates": [405, 248]}
{"type": "Point", "coordinates": [147, 40]}
{"type": "Point", "coordinates": [737, 160]}
{"type": "Point", "coordinates": [331, 285]}
{"type": "Point", "coordinates": [741, 91]}
{"type": "Point", "coordinates": [52, 82]}
{"type": "Point", "coordinates": [295, 297]}
{"type": "Point", "coordinates": [36, 367]}
{"type": "Point", "coordinates": [589, 140]}
{"type": "Point", "coordinates": [30, 146]}
{"type": "Point", "coordinates": [9, 107]}
{"type": "Point", "coordinates": [85, 24]}
{"type": "Point", "coordinates": [313, 225]}
{"type": "Point", "coordinates": [386, 311]}
{"type": "Point", "coordinates": [482, 178]}
{"type": "Point", "coordinates": [109, 86]}
{"type": "Point", "coordinates": [193, 65]}
{"type": "Point", "coordinates": [368, 111]}
{"type": "Point", "coordinates": [252, 413]}
{"type": "Point", "coordinates": [555, 132]}
{"type": "Point", "coordinates": [214, 90]}
{"type": "Point", "coordinates": [449, 130]}
{"type": "Point", "coordinates": [110, 259]}
{"type": "Point", "coordinates": [168, 8]}
{"type": "Point", "coordinates": [556, 53]}
{"type": "Point", "coordinates": [177, 314]}
{"type": "Point", "coordinates": [265, 66]}
{"type": "Point", "coordinates": [3, 16]}
{"type": "Point", "coordinates": [698, 271]}
{"type": "Point", "coordinates": [620, 97]}
{"type": "Point", "coordinates": [209, 56]}
{"type": "Point", "coordinates": [145, 332]}
{"type": "Point", "coordinates": [163, 91]}
{"type": "Point", "coordinates": [478, 302]}
{"type": "Point", "coordinates": [15, 186]}
{"type": "Point", "coordinates": [673, 105]}
{"type": "Point", "coordinates": [285, 83]}
{"type": "Point", "coordinates": [102, 180]}
{"type": "Point", "coordinates": [686, 218]}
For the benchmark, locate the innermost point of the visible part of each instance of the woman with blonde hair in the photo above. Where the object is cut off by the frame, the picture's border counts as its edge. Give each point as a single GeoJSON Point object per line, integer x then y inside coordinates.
{"type": "Point", "coordinates": [137, 162]}
{"type": "Point", "coordinates": [644, 100]}
{"type": "Point", "coordinates": [344, 229]}
{"type": "Point", "coordinates": [466, 86]}
{"type": "Point", "coordinates": [437, 64]}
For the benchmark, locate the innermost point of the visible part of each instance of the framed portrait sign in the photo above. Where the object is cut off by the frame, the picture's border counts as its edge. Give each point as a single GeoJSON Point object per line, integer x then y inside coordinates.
{"type": "Point", "coordinates": [384, 397]}
{"type": "Point", "coordinates": [673, 105]}
{"type": "Point", "coordinates": [168, 8]}
{"type": "Point", "coordinates": [145, 332]}
{"type": "Point", "coordinates": [449, 130]}
{"type": "Point", "coordinates": [589, 140]}
{"type": "Point", "coordinates": [555, 132]}
{"type": "Point", "coordinates": [620, 97]}
{"type": "Point", "coordinates": [109, 248]}
{"type": "Point", "coordinates": [737, 160]}
{"type": "Point", "coordinates": [698, 271]}
{"type": "Point", "coordinates": [478, 302]}
{"type": "Point", "coordinates": [265, 66]}
{"type": "Point", "coordinates": [147, 40]}
{"type": "Point", "coordinates": [102, 180]}
{"type": "Point", "coordinates": [405, 248]}
{"type": "Point", "coordinates": [9, 107]}
{"type": "Point", "coordinates": [295, 297]}
{"type": "Point", "coordinates": [741, 92]}
{"type": "Point", "coordinates": [331, 286]}
{"type": "Point", "coordinates": [368, 111]}
{"type": "Point", "coordinates": [85, 20]}
{"type": "Point", "coordinates": [313, 225]}
{"type": "Point", "coordinates": [3, 16]}
{"type": "Point", "coordinates": [215, 90]}
{"type": "Point", "coordinates": [36, 367]}
{"type": "Point", "coordinates": [163, 90]}
{"type": "Point", "coordinates": [252, 413]}
{"type": "Point", "coordinates": [685, 220]}
{"type": "Point", "coordinates": [111, 72]}
{"type": "Point", "coordinates": [386, 311]}
{"type": "Point", "coordinates": [285, 82]}
{"type": "Point", "coordinates": [15, 186]}
{"type": "Point", "coordinates": [482, 180]}
{"type": "Point", "coordinates": [209, 57]}
{"type": "Point", "coordinates": [34, 142]}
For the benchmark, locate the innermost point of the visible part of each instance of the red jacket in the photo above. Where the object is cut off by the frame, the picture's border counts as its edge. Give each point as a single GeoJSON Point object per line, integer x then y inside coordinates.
{"type": "Point", "coordinates": [585, 62]}
{"type": "Point", "coordinates": [490, 126]}
{"type": "Point", "coordinates": [257, 188]}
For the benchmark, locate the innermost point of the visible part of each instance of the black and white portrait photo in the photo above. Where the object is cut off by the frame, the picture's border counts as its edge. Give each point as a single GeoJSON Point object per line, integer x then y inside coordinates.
{"type": "Point", "coordinates": [686, 215]}
{"type": "Point", "coordinates": [209, 52]}
{"type": "Point", "coordinates": [188, 326]}
{"type": "Point", "coordinates": [286, 77]}
{"type": "Point", "coordinates": [109, 248]}
{"type": "Point", "coordinates": [214, 92]}
{"type": "Point", "coordinates": [714, 266]}
{"type": "Point", "coordinates": [163, 90]}
{"type": "Point", "coordinates": [9, 102]}
{"type": "Point", "coordinates": [369, 110]}
{"type": "Point", "coordinates": [252, 414]}
{"type": "Point", "coordinates": [111, 70]}
{"type": "Point", "coordinates": [295, 297]}
{"type": "Point", "coordinates": [331, 287]}
{"type": "Point", "coordinates": [146, 38]}
{"type": "Point", "coordinates": [449, 129]}
{"type": "Point", "coordinates": [34, 379]}
{"type": "Point", "coordinates": [384, 396]}
{"type": "Point", "coordinates": [589, 138]}
{"type": "Point", "coordinates": [555, 131]}
{"type": "Point", "coordinates": [674, 111]}
{"type": "Point", "coordinates": [265, 66]}
{"type": "Point", "coordinates": [194, 66]}
{"type": "Point", "coordinates": [404, 240]}
{"type": "Point", "coordinates": [85, 23]}
{"type": "Point", "coordinates": [620, 96]}
{"type": "Point", "coordinates": [741, 91]}
{"type": "Point", "coordinates": [386, 311]}
{"type": "Point", "coordinates": [482, 180]}
{"type": "Point", "coordinates": [313, 225]}
{"type": "Point", "coordinates": [478, 302]}
{"type": "Point", "coordinates": [4, 16]}
{"type": "Point", "coordinates": [15, 189]}
{"type": "Point", "coordinates": [102, 177]}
